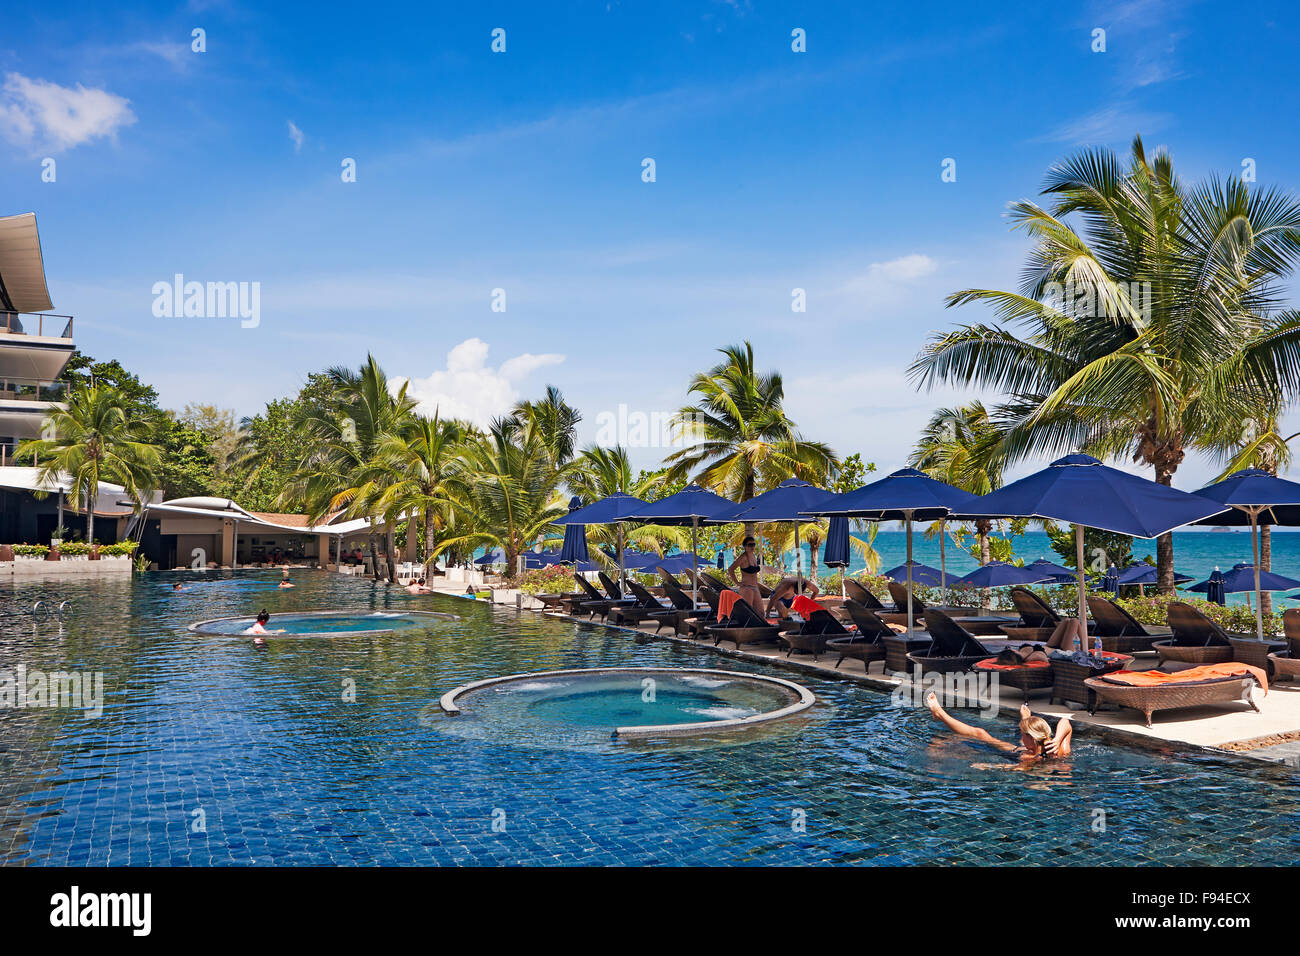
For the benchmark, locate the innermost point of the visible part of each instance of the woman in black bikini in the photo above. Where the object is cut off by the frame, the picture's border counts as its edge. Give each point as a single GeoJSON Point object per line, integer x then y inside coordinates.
{"type": "Point", "coordinates": [749, 565]}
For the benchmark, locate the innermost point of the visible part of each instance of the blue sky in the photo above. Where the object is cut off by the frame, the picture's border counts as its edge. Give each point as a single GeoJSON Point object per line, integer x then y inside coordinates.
{"type": "Point", "coordinates": [522, 171]}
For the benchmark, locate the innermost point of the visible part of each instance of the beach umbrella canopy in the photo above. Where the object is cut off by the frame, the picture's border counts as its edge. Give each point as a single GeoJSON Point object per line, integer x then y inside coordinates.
{"type": "Point", "coordinates": [575, 537]}
{"type": "Point", "coordinates": [1214, 588]}
{"type": "Point", "coordinates": [791, 500]}
{"type": "Point", "coordinates": [1110, 581]}
{"type": "Point", "coordinates": [1256, 498]}
{"type": "Point", "coordinates": [836, 554]}
{"type": "Point", "coordinates": [690, 506]}
{"type": "Point", "coordinates": [496, 556]}
{"type": "Point", "coordinates": [1055, 572]}
{"type": "Point", "coordinates": [1143, 573]}
{"type": "Point", "coordinates": [1001, 574]}
{"type": "Point", "coordinates": [676, 563]}
{"type": "Point", "coordinates": [915, 571]}
{"type": "Point", "coordinates": [905, 495]}
{"type": "Point", "coordinates": [1081, 490]}
{"type": "Point", "coordinates": [1241, 577]}
{"type": "Point", "coordinates": [608, 510]}
{"type": "Point", "coordinates": [722, 561]}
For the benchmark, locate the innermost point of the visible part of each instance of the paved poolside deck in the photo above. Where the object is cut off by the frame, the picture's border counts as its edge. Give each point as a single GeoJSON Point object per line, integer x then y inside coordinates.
{"type": "Point", "coordinates": [1272, 735]}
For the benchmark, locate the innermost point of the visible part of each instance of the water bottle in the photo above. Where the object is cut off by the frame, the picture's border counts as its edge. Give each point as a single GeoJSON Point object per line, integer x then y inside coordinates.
{"type": "Point", "coordinates": [1096, 645]}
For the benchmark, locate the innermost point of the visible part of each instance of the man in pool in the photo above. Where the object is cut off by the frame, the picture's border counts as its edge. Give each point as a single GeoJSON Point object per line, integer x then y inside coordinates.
{"type": "Point", "coordinates": [284, 581]}
{"type": "Point", "coordinates": [418, 587]}
{"type": "Point", "coordinates": [1037, 742]}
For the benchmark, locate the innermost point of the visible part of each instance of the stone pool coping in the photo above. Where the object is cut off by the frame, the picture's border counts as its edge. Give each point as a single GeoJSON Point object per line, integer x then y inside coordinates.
{"type": "Point", "coordinates": [197, 626]}
{"type": "Point", "coordinates": [806, 698]}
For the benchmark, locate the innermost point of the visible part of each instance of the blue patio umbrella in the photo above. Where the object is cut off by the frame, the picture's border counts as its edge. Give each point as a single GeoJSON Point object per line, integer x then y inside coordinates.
{"type": "Point", "coordinates": [836, 554]}
{"type": "Point", "coordinates": [722, 561]}
{"type": "Point", "coordinates": [1256, 498]}
{"type": "Point", "coordinates": [495, 556]}
{"type": "Point", "coordinates": [690, 506]}
{"type": "Point", "coordinates": [1214, 588]}
{"type": "Point", "coordinates": [1001, 574]}
{"type": "Point", "coordinates": [791, 500]}
{"type": "Point", "coordinates": [915, 571]}
{"type": "Point", "coordinates": [906, 495]}
{"type": "Point", "coordinates": [575, 537]}
{"type": "Point", "coordinates": [1241, 577]}
{"type": "Point", "coordinates": [1143, 574]}
{"type": "Point", "coordinates": [675, 563]}
{"type": "Point", "coordinates": [1110, 581]}
{"type": "Point", "coordinates": [1081, 490]}
{"type": "Point", "coordinates": [1055, 572]}
{"type": "Point", "coordinates": [608, 510]}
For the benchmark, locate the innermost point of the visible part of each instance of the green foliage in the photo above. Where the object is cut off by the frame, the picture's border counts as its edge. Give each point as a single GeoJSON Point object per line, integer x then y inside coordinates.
{"type": "Point", "coordinates": [851, 474]}
{"type": "Point", "coordinates": [32, 549]}
{"type": "Point", "coordinates": [1235, 618]}
{"type": "Point", "coordinates": [118, 549]}
{"type": "Point", "coordinates": [553, 579]}
{"type": "Point", "coordinates": [1101, 549]}
{"type": "Point", "coordinates": [187, 466]}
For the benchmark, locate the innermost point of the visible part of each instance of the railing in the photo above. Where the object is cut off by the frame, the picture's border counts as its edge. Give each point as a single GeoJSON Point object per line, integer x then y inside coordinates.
{"type": "Point", "coordinates": [46, 324]}
{"type": "Point", "coordinates": [30, 390]}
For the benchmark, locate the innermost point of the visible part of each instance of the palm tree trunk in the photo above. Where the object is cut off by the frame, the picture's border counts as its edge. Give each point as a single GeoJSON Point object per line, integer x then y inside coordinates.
{"type": "Point", "coordinates": [429, 532]}
{"type": "Point", "coordinates": [390, 552]}
{"type": "Point", "coordinates": [1265, 564]}
{"type": "Point", "coordinates": [1165, 543]}
{"type": "Point", "coordinates": [982, 528]}
{"type": "Point", "coordinates": [91, 495]}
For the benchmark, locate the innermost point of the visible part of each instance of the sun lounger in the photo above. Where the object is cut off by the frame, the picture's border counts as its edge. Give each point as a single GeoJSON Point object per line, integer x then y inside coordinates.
{"type": "Point", "coordinates": [898, 592]}
{"type": "Point", "coordinates": [1035, 675]}
{"type": "Point", "coordinates": [1118, 630]}
{"type": "Point", "coordinates": [1196, 640]}
{"type": "Point", "coordinates": [952, 647]}
{"type": "Point", "coordinates": [1286, 664]}
{"type": "Point", "coordinates": [1150, 691]}
{"type": "Point", "coordinates": [682, 610]}
{"type": "Point", "coordinates": [643, 606]}
{"type": "Point", "coordinates": [854, 591]}
{"type": "Point", "coordinates": [1037, 619]}
{"type": "Point", "coordinates": [814, 633]}
{"type": "Point", "coordinates": [743, 625]}
{"type": "Point", "coordinates": [865, 642]}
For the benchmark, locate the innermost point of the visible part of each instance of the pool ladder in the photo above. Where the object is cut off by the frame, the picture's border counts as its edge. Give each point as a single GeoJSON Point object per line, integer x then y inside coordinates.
{"type": "Point", "coordinates": [42, 611]}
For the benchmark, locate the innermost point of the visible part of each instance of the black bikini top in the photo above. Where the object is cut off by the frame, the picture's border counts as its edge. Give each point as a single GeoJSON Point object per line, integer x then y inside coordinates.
{"type": "Point", "coordinates": [752, 569]}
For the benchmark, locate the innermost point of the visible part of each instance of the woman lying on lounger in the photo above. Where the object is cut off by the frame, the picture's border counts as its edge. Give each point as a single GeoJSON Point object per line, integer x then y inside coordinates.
{"type": "Point", "coordinates": [1037, 742]}
{"type": "Point", "coordinates": [784, 593]}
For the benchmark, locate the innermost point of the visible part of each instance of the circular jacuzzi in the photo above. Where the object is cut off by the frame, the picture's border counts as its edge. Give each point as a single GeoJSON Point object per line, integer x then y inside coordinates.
{"type": "Point", "coordinates": [324, 623]}
{"type": "Point", "coordinates": [575, 707]}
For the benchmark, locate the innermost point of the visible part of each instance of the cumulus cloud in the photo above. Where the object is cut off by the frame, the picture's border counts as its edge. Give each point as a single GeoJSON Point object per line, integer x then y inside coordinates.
{"type": "Point", "coordinates": [295, 134]}
{"type": "Point", "coordinates": [468, 388]}
{"type": "Point", "coordinates": [42, 115]}
{"type": "Point", "coordinates": [883, 285]}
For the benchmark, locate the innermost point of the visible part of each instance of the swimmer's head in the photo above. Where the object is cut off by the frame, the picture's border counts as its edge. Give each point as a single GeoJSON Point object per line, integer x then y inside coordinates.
{"type": "Point", "coordinates": [176, 586]}
{"type": "Point", "coordinates": [263, 616]}
{"type": "Point", "coordinates": [1035, 730]}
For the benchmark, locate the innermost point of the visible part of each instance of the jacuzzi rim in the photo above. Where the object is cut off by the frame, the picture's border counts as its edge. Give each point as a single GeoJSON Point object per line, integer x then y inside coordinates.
{"type": "Point", "coordinates": [806, 698]}
{"type": "Point", "coordinates": [198, 627]}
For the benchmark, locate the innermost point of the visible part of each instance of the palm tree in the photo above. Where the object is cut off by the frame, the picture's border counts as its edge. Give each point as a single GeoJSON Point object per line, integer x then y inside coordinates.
{"type": "Point", "coordinates": [960, 446]}
{"type": "Point", "coordinates": [419, 462]}
{"type": "Point", "coordinates": [601, 471]}
{"type": "Point", "coordinates": [554, 421]}
{"type": "Point", "coordinates": [1133, 329]}
{"type": "Point", "coordinates": [507, 490]}
{"type": "Point", "coordinates": [342, 438]}
{"type": "Point", "coordinates": [745, 443]}
{"type": "Point", "coordinates": [96, 439]}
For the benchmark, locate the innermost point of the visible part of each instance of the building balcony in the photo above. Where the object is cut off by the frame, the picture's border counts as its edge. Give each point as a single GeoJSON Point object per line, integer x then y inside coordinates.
{"type": "Point", "coordinates": [34, 347]}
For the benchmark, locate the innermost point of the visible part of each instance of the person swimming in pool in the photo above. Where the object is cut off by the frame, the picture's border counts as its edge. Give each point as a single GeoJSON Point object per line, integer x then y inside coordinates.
{"type": "Point", "coordinates": [1037, 742]}
{"type": "Point", "coordinates": [284, 581]}
{"type": "Point", "coordinates": [259, 625]}
{"type": "Point", "coordinates": [177, 587]}
{"type": "Point", "coordinates": [750, 566]}
{"type": "Point", "coordinates": [419, 587]}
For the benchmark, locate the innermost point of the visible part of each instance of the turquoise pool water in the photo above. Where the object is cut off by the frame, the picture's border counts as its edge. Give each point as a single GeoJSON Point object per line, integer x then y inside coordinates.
{"type": "Point", "coordinates": [333, 751]}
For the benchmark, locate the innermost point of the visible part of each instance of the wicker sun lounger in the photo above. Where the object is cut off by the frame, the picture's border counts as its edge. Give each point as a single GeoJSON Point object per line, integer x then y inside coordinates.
{"type": "Point", "coordinates": [1287, 665]}
{"type": "Point", "coordinates": [815, 633]}
{"type": "Point", "coordinates": [952, 647]}
{"type": "Point", "coordinates": [1023, 677]}
{"type": "Point", "coordinates": [1196, 640]}
{"type": "Point", "coordinates": [1037, 619]}
{"type": "Point", "coordinates": [866, 644]}
{"type": "Point", "coordinates": [645, 605]}
{"type": "Point", "coordinates": [742, 626]}
{"type": "Point", "coordinates": [1119, 631]}
{"type": "Point", "coordinates": [1173, 696]}
{"type": "Point", "coordinates": [854, 591]}
{"type": "Point", "coordinates": [899, 593]}
{"type": "Point", "coordinates": [682, 611]}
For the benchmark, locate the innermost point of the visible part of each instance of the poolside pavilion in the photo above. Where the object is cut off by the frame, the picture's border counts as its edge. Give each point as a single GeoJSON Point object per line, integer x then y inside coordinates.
{"type": "Point", "coordinates": [218, 532]}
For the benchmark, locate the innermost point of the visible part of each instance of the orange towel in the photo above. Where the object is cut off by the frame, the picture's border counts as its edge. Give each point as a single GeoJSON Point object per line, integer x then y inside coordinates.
{"type": "Point", "coordinates": [726, 601]}
{"type": "Point", "coordinates": [1192, 674]}
{"type": "Point", "coordinates": [991, 664]}
{"type": "Point", "coordinates": [804, 606]}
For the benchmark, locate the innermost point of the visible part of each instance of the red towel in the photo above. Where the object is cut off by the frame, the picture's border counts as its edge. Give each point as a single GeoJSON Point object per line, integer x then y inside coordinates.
{"type": "Point", "coordinates": [804, 606]}
{"type": "Point", "coordinates": [726, 601]}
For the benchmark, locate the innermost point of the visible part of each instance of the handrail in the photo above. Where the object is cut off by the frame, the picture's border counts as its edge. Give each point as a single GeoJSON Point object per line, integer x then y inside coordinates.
{"type": "Point", "coordinates": [12, 323]}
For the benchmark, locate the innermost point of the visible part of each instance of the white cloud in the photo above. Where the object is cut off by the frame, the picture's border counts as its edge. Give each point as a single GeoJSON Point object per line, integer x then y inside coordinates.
{"type": "Point", "coordinates": [295, 134]}
{"type": "Point", "coordinates": [45, 116]}
{"type": "Point", "coordinates": [469, 389]}
{"type": "Point", "coordinates": [883, 284]}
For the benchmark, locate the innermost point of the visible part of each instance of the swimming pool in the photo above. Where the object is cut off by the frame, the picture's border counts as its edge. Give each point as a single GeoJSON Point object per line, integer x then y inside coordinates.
{"type": "Point", "coordinates": [213, 751]}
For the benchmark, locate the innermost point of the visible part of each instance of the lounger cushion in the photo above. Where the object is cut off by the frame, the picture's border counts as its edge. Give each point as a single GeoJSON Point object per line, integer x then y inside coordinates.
{"type": "Point", "coordinates": [1205, 674]}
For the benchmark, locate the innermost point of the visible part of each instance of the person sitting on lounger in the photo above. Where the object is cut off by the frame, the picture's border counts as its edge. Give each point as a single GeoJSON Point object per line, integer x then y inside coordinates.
{"type": "Point", "coordinates": [1037, 742]}
{"type": "Point", "coordinates": [784, 593]}
{"type": "Point", "coordinates": [750, 566]}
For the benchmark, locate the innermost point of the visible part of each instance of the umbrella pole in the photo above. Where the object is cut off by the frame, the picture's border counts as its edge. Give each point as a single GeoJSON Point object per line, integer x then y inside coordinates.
{"type": "Point", "coordinates": [695, 561]}
{"type": "Point", "coordinates": [622, 574]}
{"type": "Point", "coordinates": [908, 522]}
{"type": "Point", "coordinates": [943, 564]}
{"type": "Point", "coordinates": [1254, 544]}
{"type": "Point", "coordinates": [1083, 588]}
{"type": "Point", "coordinates": [798, 559]}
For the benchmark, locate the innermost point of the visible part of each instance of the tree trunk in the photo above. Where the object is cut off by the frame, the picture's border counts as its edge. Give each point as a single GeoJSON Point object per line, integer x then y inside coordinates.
{"type": "Point", "coordinates": [1265, 564]}
{"type": "Point", "coordinates": [90, 515]}
{"type": "Point", "coordinates": [982, 528]}
{"type": "Point", "coordinates": [429, 531]}
{"type": "Point", "coordinates": [390, 552]}
{"type": "Point", "coordinates": [1165, 543]}
{"type": "Point", "coordinates": [373, 539]}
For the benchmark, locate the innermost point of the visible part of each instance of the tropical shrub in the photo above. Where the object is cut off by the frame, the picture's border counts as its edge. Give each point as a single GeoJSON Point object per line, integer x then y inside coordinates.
{"type": "Point", "coordinates": [1239, 618]}
{"type": "Point", "coordinates": [553, 579]}
{"type": "Point", "coordinates": [119, 549]}
{"type": "Point", "coordinates": [74, 548]}
{"type": "Point", "coordinates": [32, 549]}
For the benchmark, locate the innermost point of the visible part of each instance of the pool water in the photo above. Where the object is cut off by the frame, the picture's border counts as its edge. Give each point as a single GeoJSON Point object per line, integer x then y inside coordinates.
{"type": "Point", "coordinates": [334, 751]}
{"type": "Point", "coordinates": [323, 622]}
